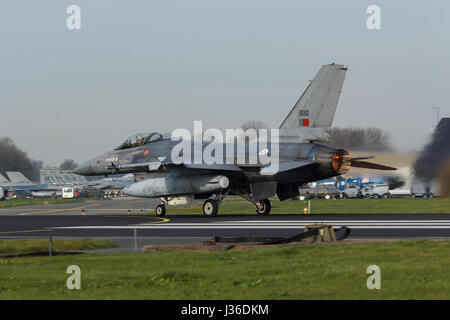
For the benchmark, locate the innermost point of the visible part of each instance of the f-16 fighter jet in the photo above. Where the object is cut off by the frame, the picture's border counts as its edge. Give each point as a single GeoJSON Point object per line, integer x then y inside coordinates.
{"type": "Point", "coordinates": [178, 169]}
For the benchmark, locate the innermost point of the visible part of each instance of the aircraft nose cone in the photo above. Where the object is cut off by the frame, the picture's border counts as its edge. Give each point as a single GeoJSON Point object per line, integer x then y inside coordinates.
{"type": "Point", "coordinates": [83, 169]}
{"type": "Point", "coordinates": [129, 191]}
{"type": "Point", "coordinates": [126, 190]}
{"type": "Point", "coordinates": [134, 190]}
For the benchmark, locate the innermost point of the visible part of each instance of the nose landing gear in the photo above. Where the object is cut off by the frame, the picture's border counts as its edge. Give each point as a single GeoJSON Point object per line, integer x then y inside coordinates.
{"type": "Point", "coordinates": [160, 210]}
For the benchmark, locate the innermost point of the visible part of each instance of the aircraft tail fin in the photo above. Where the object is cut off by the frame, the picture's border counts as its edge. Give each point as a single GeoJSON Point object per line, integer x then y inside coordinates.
{"type": "Point", "coordinates": [18, 178]}
{"type": "Point", "coordinates": [312, 116]}
{"type": "Point", "coordinates": [4, 181]}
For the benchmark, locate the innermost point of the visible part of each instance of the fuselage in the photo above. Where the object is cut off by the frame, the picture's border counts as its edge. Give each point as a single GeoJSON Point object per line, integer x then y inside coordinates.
{"type": "Point", "coordinates": [248, 156]}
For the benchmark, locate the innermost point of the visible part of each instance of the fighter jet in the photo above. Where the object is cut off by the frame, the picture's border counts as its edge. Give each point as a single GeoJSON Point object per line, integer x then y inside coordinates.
{"type": "Point", "coordinates": [18, 183]}
{"type": "Point", "coordinates": [298, 156]}
{"type": "Point", "coordinates": [111, 183]}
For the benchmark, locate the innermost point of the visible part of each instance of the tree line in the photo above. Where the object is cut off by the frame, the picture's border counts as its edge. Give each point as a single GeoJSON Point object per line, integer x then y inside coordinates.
{"type": "Point", "coordinates": [360, 139]}
{"type": "Point", "coordinates": [355, 139]}
{"type": "Point", "coordinates": [12, 158]}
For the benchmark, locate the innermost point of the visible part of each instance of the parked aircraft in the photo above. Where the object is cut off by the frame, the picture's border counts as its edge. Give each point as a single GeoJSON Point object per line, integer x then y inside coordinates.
{"type": "Point", "coordinates": [18, 183]}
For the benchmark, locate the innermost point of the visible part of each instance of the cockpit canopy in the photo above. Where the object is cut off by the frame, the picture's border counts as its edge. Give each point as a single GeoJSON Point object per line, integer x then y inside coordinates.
{"type": "Point", "coordinates": [142, 138]}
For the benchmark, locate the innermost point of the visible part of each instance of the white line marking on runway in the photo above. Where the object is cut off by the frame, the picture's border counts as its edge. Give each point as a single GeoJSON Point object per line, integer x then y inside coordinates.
{"type": "Point", "coordinates": [247, 227]}
{"type": "Point", "coordinates": [292, 224]}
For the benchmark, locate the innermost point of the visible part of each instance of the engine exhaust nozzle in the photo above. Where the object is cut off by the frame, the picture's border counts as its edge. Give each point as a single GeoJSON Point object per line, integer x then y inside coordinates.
{"type": "Point", "coordinates": [341, 161]}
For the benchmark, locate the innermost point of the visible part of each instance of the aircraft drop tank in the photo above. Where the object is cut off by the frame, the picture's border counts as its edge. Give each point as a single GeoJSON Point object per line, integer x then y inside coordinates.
{"type": "Point", "coordinates": [192, 184]}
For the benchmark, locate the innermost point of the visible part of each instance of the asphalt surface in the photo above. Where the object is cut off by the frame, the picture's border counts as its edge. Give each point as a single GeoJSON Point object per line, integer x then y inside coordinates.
{"type": "Point", "coordinates": [117, 205]}
{"type": "Point", "coordinates": [110, 220]}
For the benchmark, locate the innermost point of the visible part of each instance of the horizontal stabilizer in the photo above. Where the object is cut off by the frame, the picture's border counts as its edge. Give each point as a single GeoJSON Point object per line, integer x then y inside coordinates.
{"type": "Point", "coordinates": [363, 158]}
{"type": "Point", "coordinates": [369, 165]}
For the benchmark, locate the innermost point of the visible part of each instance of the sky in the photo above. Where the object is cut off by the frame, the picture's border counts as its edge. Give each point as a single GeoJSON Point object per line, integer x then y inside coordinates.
{"type": "Point", "coordinates": [160, 65]}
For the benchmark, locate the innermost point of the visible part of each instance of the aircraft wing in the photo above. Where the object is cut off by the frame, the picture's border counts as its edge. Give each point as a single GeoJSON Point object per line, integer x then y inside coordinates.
{"type": "Point", "coordinates": [264, 189]}
{"type": "Point", "coordinates": [144, 166]}
{"type": "Point", "coordinates": [33, 187]}
{"type": "Point", "coordinates": [156, 165]}
{"type": "Point", "coordinates": [284, 166]}
{"type": "Point", "coordinates": [263, 170]}
{"type": "Point", "coordinates": [220, 167]}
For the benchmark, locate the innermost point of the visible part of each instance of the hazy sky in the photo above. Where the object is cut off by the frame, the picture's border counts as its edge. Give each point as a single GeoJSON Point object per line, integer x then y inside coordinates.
{"type": "Point", "coordinates": [160, 65]}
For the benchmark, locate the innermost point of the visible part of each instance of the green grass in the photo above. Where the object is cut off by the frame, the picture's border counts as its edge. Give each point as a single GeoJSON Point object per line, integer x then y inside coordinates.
{"type": "Point", "coordinates": [398, 205]}
{"type": "Point", "coordinates": [22, 246]}
{"type": "Point", "coordinates": [28, 202]}
{"type": "Point", "coordinates": [414, 269]}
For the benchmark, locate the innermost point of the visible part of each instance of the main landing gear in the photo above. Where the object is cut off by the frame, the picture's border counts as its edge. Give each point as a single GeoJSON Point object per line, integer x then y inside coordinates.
{"type": "Point", "coordinates": [210, 207]}
{"type": "Point", "coordinates": [262, 207]}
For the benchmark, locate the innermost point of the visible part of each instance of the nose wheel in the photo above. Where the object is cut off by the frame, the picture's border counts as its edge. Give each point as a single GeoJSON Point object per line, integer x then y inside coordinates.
{"type": "Point", "coordinates": [210, 208]}
{"type": "Point", "coordinates": [160, 210]}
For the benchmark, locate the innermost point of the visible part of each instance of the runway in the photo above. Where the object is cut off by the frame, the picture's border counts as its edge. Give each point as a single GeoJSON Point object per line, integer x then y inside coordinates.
{"type": "Point", "coordinates": [108, 219]}
{"type": "Point", "coordinates": [362, 225]}
{"type": "Point", "coordinates": [116, 205]}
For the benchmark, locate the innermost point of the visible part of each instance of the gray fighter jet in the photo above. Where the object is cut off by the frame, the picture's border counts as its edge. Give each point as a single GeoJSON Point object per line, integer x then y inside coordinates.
{"type": "Point", "coordinates": [298, 156]}
{"type": "Point", "coordinates": [111, 183]}
{"type": "Point", "coordinates": [18, 183]}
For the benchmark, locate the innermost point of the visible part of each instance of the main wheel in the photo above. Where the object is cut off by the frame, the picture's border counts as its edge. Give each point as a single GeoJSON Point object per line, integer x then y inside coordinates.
{"type": "Point", "coordinates": [210, 208]}
{"type": "Point", "coordinates": [263, 207]}
{"type": "Point", "coordinates": [160, 210]}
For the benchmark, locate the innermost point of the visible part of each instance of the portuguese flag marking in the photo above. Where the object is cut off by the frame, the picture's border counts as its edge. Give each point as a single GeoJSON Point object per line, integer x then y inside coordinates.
{"type": "Point", "coordinates": [303, 122]}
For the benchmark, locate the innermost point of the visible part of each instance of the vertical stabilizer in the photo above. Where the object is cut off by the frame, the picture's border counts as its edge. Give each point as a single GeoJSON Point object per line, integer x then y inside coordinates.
{"type": "Point", "coordinates": [312, 116]}
{"type": "Point", "coordinates": [17, 178]}
{"type": "Point", "coordinates": [4, 181]}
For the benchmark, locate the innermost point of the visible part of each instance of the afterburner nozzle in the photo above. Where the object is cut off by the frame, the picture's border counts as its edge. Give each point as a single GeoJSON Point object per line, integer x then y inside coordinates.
{"type": "Point", "coordinates": [341, 161]}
